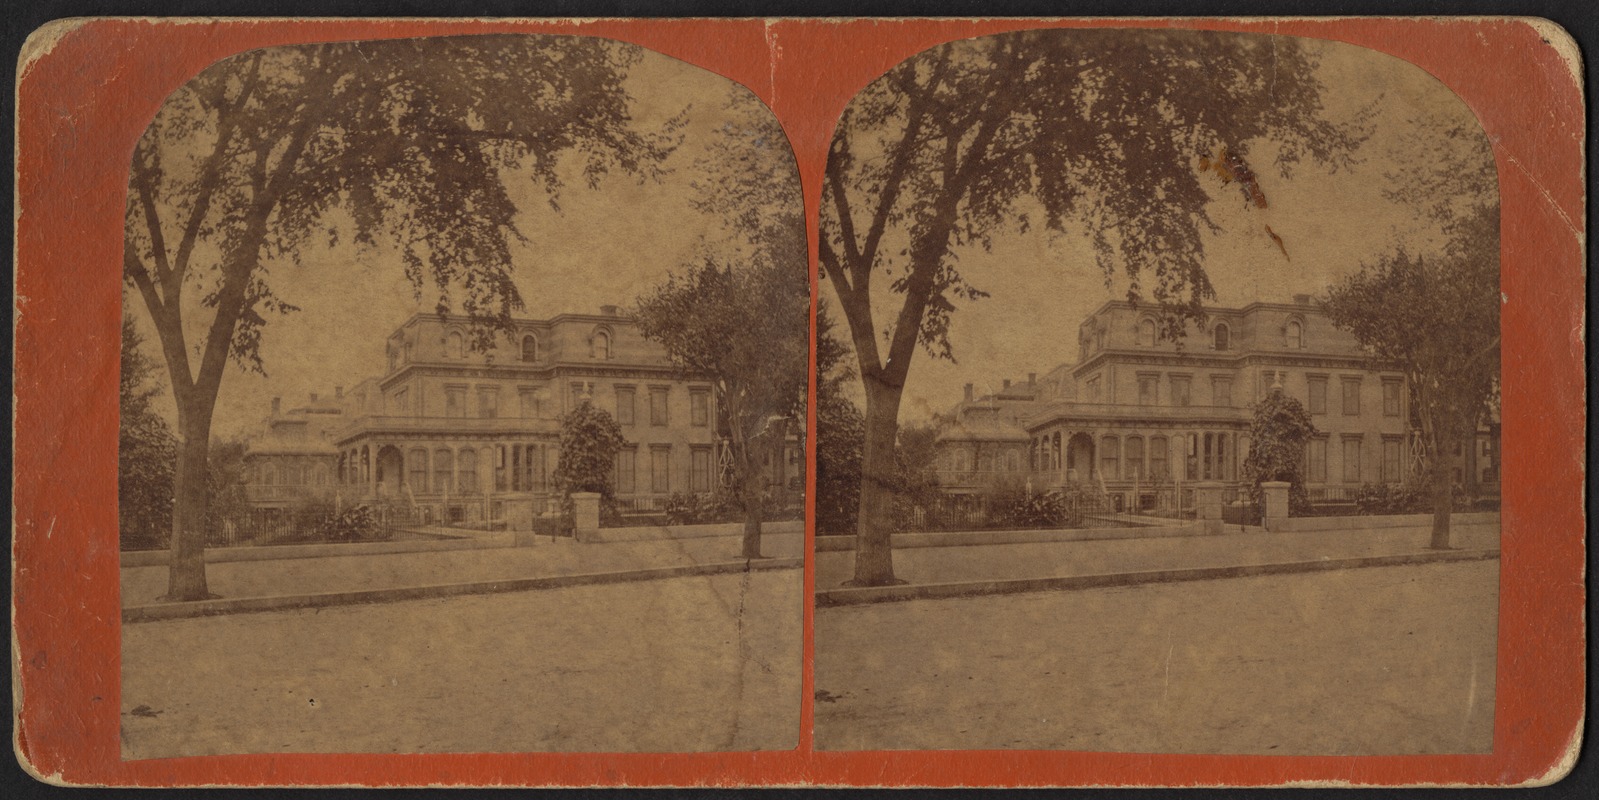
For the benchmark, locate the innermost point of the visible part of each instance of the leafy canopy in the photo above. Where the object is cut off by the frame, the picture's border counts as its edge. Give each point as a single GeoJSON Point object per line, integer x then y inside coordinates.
{"type": "Point", "coordinates": [1100, 130]}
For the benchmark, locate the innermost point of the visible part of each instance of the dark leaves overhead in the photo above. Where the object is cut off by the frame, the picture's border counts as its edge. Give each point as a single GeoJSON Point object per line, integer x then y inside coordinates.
{"type": "Point", "coordinates": [1100, 129]}
{"type": "Point", "coordinates": [414, 139]}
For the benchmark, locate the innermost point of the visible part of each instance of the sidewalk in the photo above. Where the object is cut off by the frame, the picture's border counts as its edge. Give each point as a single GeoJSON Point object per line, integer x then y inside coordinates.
{"type": "Point", "coordinates": [562, 557]}
{"type": "Point", "coordinates": [986, 564]}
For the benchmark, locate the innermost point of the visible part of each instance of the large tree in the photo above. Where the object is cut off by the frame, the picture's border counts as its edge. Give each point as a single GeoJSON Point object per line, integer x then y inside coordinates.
{"type": "Point", "coordinates": [411, 140]}
{"type": "Point", "coordinates": [1431, 306]}
{"type": "Point", "coordinates": [1437, 320]}
{"type": "Point", "coordinates": [1096, 131]}
{"type": "Point", "coordinates": [740, 315]}
{"type": "Point", "coordinates": [747, 330]}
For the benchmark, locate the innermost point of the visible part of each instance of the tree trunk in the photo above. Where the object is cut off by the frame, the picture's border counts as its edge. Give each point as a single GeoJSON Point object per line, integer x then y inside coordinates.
{"type": "Point", "coordinates": [186, 570]}
{"type": "Point", "coordinates": [874, 553]}
{"type": "Point", "coordinates": [754, 504]}
{"type": "Point", "coordinates": [1442, 497]}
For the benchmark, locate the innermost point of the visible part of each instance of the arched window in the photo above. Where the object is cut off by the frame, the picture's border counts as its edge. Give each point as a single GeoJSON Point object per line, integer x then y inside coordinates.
{"type": "Point", "coordinates": [1223, 336]}
{"type": "Point", "coordinates": [530, 348]}
{"type": "Point", "coordinates": [600, 345]}
{"type": "Point", "coordinates": [1157, 458]}
{"type": "Point", "coordinates": [1146, 332]}
{"type": "Point", "coordinates": [443, 471]}
{"type": "Point", "coordinates": [1135, 458]}
{"type": "Point", "coordinates": [455, 345]}
{"type": "Point", "coordinates": [418, 469]}
{"type": "Point", "coordinates": [1110, 458]}
{"type": "Point", "coordinates": [1294, 335]}
{"type": "Point", "coordinates": [467, 468]}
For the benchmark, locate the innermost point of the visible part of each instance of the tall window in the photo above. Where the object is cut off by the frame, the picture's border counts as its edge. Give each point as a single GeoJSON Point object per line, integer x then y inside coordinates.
{"type": "Point", "coordinates": [658, 409]}
{"type": "Point", "coordinates": [530, 348]}
{"type": "Point", "coordinates": [443, 471]}
{"type": "Point", "coordinates": [699, 403]}
{"type": "Point", "coordinates": [1318, 395]}
{"type": "Point", "coordinates": [532, 406]}
{"type": "Point", "coordinates": [1316, 454]}
{"type": "Point", "coordinates": [1146, 332]}
{"type": "Point", "coordinates": [1191, 456]}
{"type": "Point", "coordinates": [533, 467]}
{"type": "Point", "coordinates": [1179, 390]}
{"type": "Point", "coordinates": [1221, 391]}
{"type": "Point", "coordinates": [1157, 458]}
{"type": "Point", "coordinates": [455, 401]}
{"type": "Point", "coordinates": [1013, 460]}
{"type": "Point", "coordinates": [488, 403]}
{"type": "Point", "coordinates": [626, 470]}
{"type": "Point", "coordinates": [1390, 398]}
{"type": "Point", "coordinates": [1294, 335]}
{"type": "Point", "coordinates": [419, 470]}
{"type": "Point", "coordinates": [1351, 397]}
{"type": "Point", "coordinates": [660, 470]}
{"type": "Point", "coordinates": [1110, 450]}
{"type": "Point", "coordinates": [600, 345]}
{"type": "Point", "coordinates": [1148, 389]}
{"type": "Point", "coordinates": [455, 345]}
{"type": "Point", "coordinates": [1392, 460]}
{"type": "Point", "coordinates": [1093, 389]}
{"type": "Point", "coordinates": [1223, 336]}
{"type": "Point", "coordinates": [269, 474]}
{"type": "Point", "coordinates": [700, 469]}
{"type": "Point", "coordinates": [624, 405]}
{"type": "Point", "coordinates": [1351, 460]}
{"type": "Point", "coordinates": [402, 400]}
{"type": "Point", "coordinates": [1135, 458]}
{"type": "Point", "coordinates": [468, 471]}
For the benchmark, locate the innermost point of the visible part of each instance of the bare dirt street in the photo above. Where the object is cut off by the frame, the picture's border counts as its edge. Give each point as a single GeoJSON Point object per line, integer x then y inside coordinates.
{"type": "Point", "coordinates": [1396, 660]}
{"type": "Point", "coordinates": [687, 664]}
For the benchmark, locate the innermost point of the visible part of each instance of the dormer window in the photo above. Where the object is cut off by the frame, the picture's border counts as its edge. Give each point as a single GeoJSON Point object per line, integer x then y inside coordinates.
{"type": "Point", "coordinates": [1146, 332]}
{"type": "Point", "coordinates": [530, 348]}
{"type": "Point", "coordinates": [600, 345]}
{"type": "Point", "coordinates": [1223, 336]}
{"type": "Point", "coordinates": [455, 345]}
{"type": "Point", "coordinates": [1294, 335]}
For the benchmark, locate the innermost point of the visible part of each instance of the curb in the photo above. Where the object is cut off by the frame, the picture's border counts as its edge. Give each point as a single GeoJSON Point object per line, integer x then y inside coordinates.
{"type": "Point", "coordinates": [932, 591]}
{"type": "Point", "coordinates": [903, 541]}
{"type": "Point", "coordinates": [245, 605]}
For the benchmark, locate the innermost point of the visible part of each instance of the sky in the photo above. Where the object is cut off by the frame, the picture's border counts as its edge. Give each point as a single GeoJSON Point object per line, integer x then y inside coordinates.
{"type": "Point", "coordinates": [604, 246]}
{"type": "Point", "coordinates": [1043, 285]}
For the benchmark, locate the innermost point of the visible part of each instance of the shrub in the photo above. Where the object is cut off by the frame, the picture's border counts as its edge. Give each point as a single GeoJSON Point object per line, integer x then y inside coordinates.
{"type": "Point", "coordinates": [684, 508]}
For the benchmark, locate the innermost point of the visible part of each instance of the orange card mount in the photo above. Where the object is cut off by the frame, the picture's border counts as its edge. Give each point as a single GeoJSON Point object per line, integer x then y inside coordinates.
{"type": "Point", "coordinates": [88, 88]}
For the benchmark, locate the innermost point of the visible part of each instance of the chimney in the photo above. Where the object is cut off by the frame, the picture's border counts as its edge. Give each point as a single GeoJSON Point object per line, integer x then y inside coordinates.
{"type": "Point", "coordinates": [277, 404]}
{"type": "Point", "coordinates": [610, 311]}
{"type": "Point", "coordinates": [313, 397]}
{"type": "Point", "coordinates": [338, 393]}
{"type": "Point", "coordinates": [968, 393]}
{"type": "Point", "coordinates": [1032, 378]}
{"type": "Point", "coordinates": [1006, 385]}
{"type": "Point", "coordinates": [1301, 299]}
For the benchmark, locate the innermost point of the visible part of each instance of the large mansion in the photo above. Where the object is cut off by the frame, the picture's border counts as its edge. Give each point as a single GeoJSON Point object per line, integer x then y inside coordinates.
{"type": "Point", "coordinates": [1137, 415]}
{"type": "Point", "coordinates": [464, 435]}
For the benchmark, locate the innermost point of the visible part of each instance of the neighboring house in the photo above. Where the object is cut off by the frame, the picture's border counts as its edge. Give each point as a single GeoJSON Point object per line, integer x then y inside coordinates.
{"type": "Point", "coordinates": [293, 456]}
{"type": "Point", "coordinates": [463, 435]}
{"type": "Point", "coordinates": [1137, 416]}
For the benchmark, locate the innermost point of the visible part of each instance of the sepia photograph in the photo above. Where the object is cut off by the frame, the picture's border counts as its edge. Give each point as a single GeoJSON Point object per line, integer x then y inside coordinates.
{"type": "Point", "coordinates": [1158, 402]}
{"type": "Point", "coordinates": [463, 405]}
